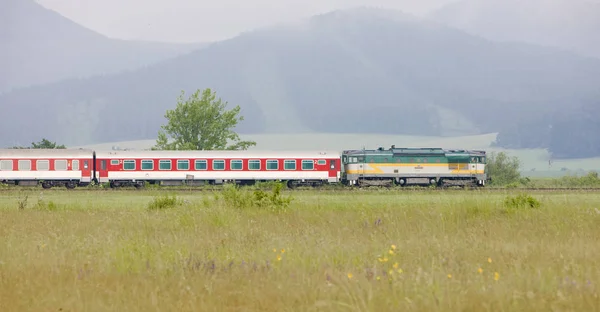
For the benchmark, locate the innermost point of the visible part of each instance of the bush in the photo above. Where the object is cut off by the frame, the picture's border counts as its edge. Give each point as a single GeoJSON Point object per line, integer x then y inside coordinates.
{"type": "Point", "coordinates": [243, 198]}
{"type": "Point", "coordinates": [503, 170]}
{"type": "Point", "coordinates": [164, 202]}
{"type": "Point", "coordinates": [521, 201]}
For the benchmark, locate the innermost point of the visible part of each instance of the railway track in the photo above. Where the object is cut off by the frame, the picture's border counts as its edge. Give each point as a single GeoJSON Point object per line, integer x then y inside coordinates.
{"type": "Point", "coordinates": [10, 189]}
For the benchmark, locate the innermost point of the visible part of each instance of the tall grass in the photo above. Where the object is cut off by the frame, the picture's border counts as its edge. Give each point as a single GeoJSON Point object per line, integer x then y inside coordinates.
{"type": "Point", "coordinates": [360, 251]}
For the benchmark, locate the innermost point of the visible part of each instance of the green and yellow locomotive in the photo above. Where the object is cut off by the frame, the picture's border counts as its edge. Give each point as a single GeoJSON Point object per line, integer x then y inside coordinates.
{"type": "Point", "coordinates": [414, 166]}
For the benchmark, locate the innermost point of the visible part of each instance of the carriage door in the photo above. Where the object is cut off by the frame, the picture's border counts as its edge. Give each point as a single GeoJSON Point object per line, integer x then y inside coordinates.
{"type": "Point", "coordinates": [102, 170]}
{"type": "Point", "coordinates": [361, 166]}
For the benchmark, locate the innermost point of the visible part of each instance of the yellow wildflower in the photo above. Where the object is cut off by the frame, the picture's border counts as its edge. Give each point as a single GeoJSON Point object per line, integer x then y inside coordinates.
{"type": "Point", "coordinates": [282, 250]}
{"type": "Point", "coordinates": [350, 275]}
{"type": "Point", "coordinates": [378, 278]}
{"type": "Point", "coordinates": [496, 276]}
{"type": "Point", "coordinates": [278, 257]}
{"type": "Point", "coordinates": [274, 250]}
{"type": "Point", "coordinates": [393, 247]}
{"type": "Point", "coordinates": [395, 265]}
{"type": "Point", "coordinates": [480, 270]}
{"type": "Point", "coordinates": [449, 275]}
{"type": "Point", "coordinates": [399, 271]}
{"type": "Point", "coordinates": [390, 272]}
{"type": "Point", "coordinates": [490, 260]}
{"type": "Point", "coordinates": [391, 252]}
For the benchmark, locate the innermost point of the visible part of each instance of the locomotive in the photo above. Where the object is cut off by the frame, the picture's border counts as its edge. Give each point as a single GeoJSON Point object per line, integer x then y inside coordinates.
{"type": "Point", "coordinates": [395, 166]}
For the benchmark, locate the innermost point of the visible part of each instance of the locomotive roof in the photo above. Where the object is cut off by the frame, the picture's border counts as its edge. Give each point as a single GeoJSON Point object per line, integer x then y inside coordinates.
{"type": "Point", "coordinates": [415, 151]}
{"type": "Point", "coordinates": [218, 154]}
{"type": "Point", "coordinates": [45, 153]}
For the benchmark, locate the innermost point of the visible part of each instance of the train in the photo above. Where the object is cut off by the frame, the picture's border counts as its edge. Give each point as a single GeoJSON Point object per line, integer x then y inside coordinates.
{"type": "Point", "coordinates": [71, 168]}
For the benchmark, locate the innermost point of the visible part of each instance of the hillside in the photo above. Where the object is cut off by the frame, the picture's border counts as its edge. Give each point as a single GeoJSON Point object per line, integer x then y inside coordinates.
{"type": "Point", "coordinates": [566, 24]}
{"type": "Point", "coordinates": [352, 71]}
{"type": "Point", "coordinates": [41, 46]}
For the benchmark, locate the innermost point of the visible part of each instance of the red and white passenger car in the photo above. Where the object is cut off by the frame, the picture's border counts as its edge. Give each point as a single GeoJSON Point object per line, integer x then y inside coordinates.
{"type": "Point", "coordinates": [72, 167]}
{"type": "Point", "coordinates": [216, 167]}
{"type": "Point", "coordinates": [51, 167]}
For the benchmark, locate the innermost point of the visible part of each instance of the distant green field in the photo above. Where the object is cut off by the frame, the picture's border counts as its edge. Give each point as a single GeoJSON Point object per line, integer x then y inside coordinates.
{"type": "Point", "coordinates": [535, 161]}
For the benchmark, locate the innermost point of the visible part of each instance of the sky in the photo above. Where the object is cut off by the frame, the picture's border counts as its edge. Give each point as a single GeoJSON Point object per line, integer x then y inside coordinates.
{"type": "Point", "coordinates": [202, 20]}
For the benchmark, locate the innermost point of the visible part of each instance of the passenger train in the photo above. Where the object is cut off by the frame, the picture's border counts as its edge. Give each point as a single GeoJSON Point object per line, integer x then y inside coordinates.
{"type": "Point", "coordinates": [394, 166]}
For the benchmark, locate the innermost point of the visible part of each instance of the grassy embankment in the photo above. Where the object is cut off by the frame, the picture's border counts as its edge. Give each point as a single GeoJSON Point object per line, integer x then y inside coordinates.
{"type": "Point", "coordinates": [369, 250]}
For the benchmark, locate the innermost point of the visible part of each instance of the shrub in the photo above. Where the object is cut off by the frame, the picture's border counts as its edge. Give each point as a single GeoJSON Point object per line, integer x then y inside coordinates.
{"type": "Point", "coordinates": [243, 198]}
{"type": "Point", "coordinates": [503, 170]}
{"type": "Point", "coordinates": [521, 201]}
{"type": "Point", "coordinates": [164, 202]}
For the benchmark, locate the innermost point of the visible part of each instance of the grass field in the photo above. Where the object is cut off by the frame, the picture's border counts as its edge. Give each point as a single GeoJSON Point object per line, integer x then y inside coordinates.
{"type": "Point", "coordinates": [366, 250]}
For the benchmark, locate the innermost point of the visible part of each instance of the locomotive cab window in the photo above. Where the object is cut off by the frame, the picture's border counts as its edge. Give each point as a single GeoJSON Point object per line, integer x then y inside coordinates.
{"type": "Point", "coordinates": [218, 164]}
{"type": "Point", "coordinates": [254, 164]}
{"type": "Point", "coordinates": [147, 164]}
{"type": "Point", "coordinates": [43, 165]}
{"type": "Point", "coordinates": [128, 164]}
{"type": "Point", "coordinates": [200, 164]}
{"type": "Point", "coordinates": [289, 164]}
{"type": "Point", "coordinates": [183, 164]}
{"type": "Point", "coordinates": [308, 165]}
{"type": "Point", "coordinates": [272, 164]}
{"type": "Point", "coordinates": [236, 164]}
{"type": "Point", "coordinates": [164, 164]}
{"type": "Point", "coordinates": [24, 165]}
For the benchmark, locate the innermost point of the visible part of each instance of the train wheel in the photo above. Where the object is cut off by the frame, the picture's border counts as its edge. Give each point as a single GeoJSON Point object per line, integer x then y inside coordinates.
{"type": "Point", "coordinates": [70, 185]}
{"type": "Point", "coordinates": [46, 185]}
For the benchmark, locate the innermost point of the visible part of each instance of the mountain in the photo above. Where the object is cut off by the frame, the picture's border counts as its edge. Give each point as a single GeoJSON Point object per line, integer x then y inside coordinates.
{"type": "Point", "coordinates": [41, 46]}
{"type": "Point", "coordinates": [360, 70]}
{"type": "Point", "coordinates": [566, 24]}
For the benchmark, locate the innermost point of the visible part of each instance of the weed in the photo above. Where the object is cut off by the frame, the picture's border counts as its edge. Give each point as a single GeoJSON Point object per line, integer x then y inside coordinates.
{"type": "Point", "coordinates": [164, 202]}
{"type": "Point", "coordinates": [521, 201]}
{"type": "Point", "coordinates": [23, 202]}
{"type": "Point", "coordinates": [243, 198]}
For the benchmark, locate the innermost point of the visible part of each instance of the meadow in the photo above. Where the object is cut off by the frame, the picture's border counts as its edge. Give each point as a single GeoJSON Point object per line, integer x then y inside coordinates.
{"type": "Point", "coordinates": [361, 250]}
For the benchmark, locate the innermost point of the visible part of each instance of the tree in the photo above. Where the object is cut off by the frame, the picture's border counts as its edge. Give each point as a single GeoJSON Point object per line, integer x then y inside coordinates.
{"type": "Point", "coordinates": [502, 169]}
{"type": "Point", "coordinates": [201, 123]}
{"type": "Point", "coordinates": [44, 143]}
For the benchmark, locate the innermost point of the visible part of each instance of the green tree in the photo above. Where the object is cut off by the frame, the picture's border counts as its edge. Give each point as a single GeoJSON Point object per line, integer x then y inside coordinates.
{"type": "Point", "coordinates": [503, 169]}
{"type": "Point", "coordinates": [44, 143]}
{"type": "Point", "coordinates": [201, 123]}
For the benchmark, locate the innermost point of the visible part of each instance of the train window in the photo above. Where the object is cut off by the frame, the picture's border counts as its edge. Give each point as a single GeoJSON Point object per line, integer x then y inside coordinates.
{"type": "Point", "coordinates": [272, 164]}
{"type": "Point", "coordinates": [361, 159]}
{"type": "Point", "coordinates": [183, 164]}
{"type": "Point", "coordinates": [218, 165]}
{"type": "Point", "coordinates": [103, 164]}
{"type": "Point", "coordinates": [289, 164]}
{"type": "Point", "coordinates": [129, 164]}
{"type": "Point", "coordinates": [85, 164]}
{"type": "Point", "coordinates": [200, 164]}
{"type": "Point", "coordinates": [60, 165]}
{"type": "Point", "coordinates": [322, 162]}
{"type": "Point", "coordinates": [43, 165]}
{"type": "Point", "coordinates": [164, 164]}
{"type": "Point", "coordinates": [24, 165]}
{"type": "Point", "coordinates": [254, 164]}
{"type": "Point", "coordinates": [332, 164]}
{"type": "Point", "coordinates": [6, 165]}
{"type": "Point", "coordinates": [308, 165]}
{"type": "Point", "coordinates": [236, 164]}
{"type": "Point", "coordinates": [75, 165]}
{"type": "Point", "coordinates": [147, 164]}
{"type": "Point", "coordinates": [114, 162]}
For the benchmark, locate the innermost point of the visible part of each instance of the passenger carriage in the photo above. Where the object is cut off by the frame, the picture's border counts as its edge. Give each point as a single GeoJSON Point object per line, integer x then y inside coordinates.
{"type": "Point", "coordinates": [50, 167]}
{"type": "Point", "coordinates": [135, 168]}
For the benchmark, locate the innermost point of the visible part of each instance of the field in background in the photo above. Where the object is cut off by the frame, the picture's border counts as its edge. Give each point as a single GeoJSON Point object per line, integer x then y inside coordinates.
{"type": "Point", "coordinates": [367, 250]}
{"type": "Point", "coordinates": [535, 161]}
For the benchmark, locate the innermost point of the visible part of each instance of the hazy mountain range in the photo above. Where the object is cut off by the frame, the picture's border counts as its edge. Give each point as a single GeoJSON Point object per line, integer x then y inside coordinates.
{"type": "Point", "coordinates": [40, 46]}
{"type": "Point", "coordinates": [361, 70]}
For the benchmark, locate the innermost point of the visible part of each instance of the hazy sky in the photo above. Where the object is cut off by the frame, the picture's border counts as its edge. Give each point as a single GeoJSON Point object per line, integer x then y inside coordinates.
{"type": "Point", "coordinates": [201, 20]}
